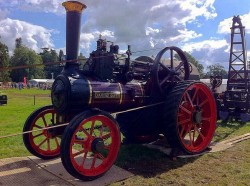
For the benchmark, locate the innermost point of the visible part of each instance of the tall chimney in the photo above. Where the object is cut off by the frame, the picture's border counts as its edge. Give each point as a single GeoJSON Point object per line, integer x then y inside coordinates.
{"type": "Point", "coordinates": [73, 24]}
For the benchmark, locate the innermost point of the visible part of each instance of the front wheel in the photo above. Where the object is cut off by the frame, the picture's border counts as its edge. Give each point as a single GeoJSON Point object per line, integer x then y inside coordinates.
{"type": "Point", "coordinates": [42, 142]}
{"type": "Point", "coordinates": [190, 117]}
{"type": "Point", "coordinates": [90, 144]}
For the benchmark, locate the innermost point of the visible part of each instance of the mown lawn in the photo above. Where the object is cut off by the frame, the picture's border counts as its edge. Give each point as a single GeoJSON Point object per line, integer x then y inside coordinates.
{"type": "Point", "coordinates": [150, 166]}
{"type": "Point", "coordinates": [13, 116]}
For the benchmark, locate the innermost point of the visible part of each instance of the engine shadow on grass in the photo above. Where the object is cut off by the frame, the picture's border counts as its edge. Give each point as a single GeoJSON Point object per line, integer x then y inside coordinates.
{"type": "Point", "coordinates": [147, 162]}
{"type": "Point", "coordinates": [226, 128]}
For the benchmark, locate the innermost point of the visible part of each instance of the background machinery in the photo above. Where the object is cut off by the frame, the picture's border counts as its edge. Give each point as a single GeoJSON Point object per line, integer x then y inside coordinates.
{"type": "Point", "coordinates": [236, 98]}
{"type": "Point", "coordinates": [112, 93]}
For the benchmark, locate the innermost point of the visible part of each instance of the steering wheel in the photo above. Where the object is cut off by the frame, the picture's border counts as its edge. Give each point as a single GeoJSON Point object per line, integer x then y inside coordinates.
{"type": "Point", "coordinates": [165, 71]}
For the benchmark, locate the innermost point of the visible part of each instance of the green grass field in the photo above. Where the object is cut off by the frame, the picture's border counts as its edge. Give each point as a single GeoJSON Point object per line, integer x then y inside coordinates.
{"type": "Point", "coordinates": [13, 116]}
{"type": "Point", "coordinates": [151, 167]}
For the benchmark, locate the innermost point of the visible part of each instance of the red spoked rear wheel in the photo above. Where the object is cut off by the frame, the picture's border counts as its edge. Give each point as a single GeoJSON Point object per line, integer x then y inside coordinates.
{"type": "Point", "coordinates": [42, 142]}
{"type": "Point", "coordinates": [191, 117]}
{"type": "Point", "coordinates": [90, 145]}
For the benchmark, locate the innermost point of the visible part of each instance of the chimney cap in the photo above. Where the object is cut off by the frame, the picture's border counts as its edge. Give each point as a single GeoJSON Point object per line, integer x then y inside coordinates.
{"type": "Point", "coordinates": [74, 6]}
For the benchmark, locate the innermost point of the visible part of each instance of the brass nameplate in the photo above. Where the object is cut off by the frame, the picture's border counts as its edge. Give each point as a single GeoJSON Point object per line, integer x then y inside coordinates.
{"type": "Point", "coordinates": [106, 95]}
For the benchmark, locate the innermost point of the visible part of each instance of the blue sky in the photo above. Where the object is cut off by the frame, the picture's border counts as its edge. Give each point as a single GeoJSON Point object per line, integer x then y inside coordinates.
{"type": "Point", "coordinates": [201, 27]}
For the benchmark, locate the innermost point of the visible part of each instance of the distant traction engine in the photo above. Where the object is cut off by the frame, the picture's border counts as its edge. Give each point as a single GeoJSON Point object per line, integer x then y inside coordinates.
{"type": "Point", "coordinates": [142, 98]}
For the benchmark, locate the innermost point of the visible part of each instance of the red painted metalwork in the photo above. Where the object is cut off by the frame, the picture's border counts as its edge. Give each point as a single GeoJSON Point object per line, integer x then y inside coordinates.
{"type": "Point", "coordinates": [91, 146]}
{"type": "Point", "coordinates": [196, 118]}
{"type": "Point", "coordinates": [44, 143]}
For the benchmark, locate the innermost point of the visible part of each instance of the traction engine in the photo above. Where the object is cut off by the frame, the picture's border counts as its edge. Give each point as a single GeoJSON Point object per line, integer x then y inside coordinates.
{"type": "Point", "coordinates": [140, 98]}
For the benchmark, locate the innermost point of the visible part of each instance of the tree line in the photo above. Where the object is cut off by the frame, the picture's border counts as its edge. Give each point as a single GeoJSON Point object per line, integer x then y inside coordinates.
{"type": "Point", "coordinates": [211, 70]}
{"type": "Point", "coordinates": [23, 56]}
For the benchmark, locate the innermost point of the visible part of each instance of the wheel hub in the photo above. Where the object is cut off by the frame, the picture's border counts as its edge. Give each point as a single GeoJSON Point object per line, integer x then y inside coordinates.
{"type": "Point", "coordinates": [97, 145]}
{"type": "Point", "coordinates": [50, 133]}
{"type": "Point", "coordinates": [47, 134]}
{"type": "Point", "coordinates": [197, 116]}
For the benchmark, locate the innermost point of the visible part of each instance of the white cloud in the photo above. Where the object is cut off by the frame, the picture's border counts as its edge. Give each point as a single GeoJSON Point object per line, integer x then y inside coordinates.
{"type": "Point", "coordinates": [142, 24]}
{"type": "Point", "coordinates": [151, 31]}
{"type": "Point", "coordinates": [33, 36]}
{"type": "Point", "coordinates": [198, 8]}
{"type": "Point", "coordinates": [209, 52]}
{"type": "Point", "coordinates": [87, 39]}
{"type": "Point", "coordinates": [211, 44]}
{"type": "Point", "coordinates": [146, 25]}
{"type": "Point", "coordinates": [185, 35]}
{"type": "Point", "coordinates": [131, 20]}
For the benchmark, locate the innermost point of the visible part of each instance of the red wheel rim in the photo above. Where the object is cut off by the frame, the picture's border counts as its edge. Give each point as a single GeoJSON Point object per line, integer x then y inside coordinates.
{"type": "Point", "coordinates": [196, 118]}
{"type": "Point", "coordinates": [85, 156]}
{"type": "Point", "coordinates": [42, 141]}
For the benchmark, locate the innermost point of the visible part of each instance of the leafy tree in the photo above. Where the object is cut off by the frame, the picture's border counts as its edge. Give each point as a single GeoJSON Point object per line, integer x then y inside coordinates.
{"type": "Point", "coordinates": [19, 42]}
{"type": "Point", "coordinates": [4, 62]}
{"type": "Point", "coordinates": [50, 56]}
{"type": "Point", "coordinates": [25, 56]}
{"type": "Point", "coordinates": [61, 55]}
{"type": "Point", "coordinates": [192, 60]}
{"type": "Point", "coordinates": [216, 70]}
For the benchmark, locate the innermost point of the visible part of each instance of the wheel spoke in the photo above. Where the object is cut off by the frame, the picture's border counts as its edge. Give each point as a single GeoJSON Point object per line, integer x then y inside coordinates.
{"type": "Point", "coordinates": [79, 141]}
{"type": "Point", "coordinates": [164, 80]}
{"type": "Point", "coordinates": [179, 66]}
{"type": "Point", "coordinates": [185, 131]}
{"type": "Point", "coordinates": [37, 126]}
{"type": "Point", "coordinates": [189, 99]}
{"type": "Point", "coordinates": [194, 136]}
{"type": "Point", "coordinates": [177, 78]}
{"type": "Point", "coordinates": [190, 137]}
{"type": "Point", "coordinates": [57, 143]}
{"type": "Point", "coordinates": [199, 132]}
{"type": "Point", "coordinates": [84, 158]}
{"type": "Point", "coordinates": [195, 94]}
{"type": "Point", "coordinates": [164, 67]}
{"type": "Point", "coordinates": [100, 156]}
{"type": "Point", "coordinates": [42, 142]}
{"type": "Point", "coordinates": [171, 59]}
{"type": "Point", "coordinates": [84, 131]}
{"type": "Point", "coordinates": [93, 162]}
{"type": "Point", "coordinates": [101, 131]}
{"type": "Point", "coordinates": [203, 102]}
{"type": "Point", "coordinates": [92, 127]}
{"type": "Point", "coordinates": [182, 130]}
{"type": "Point", "coordinates": [106, 136]}
{"type": "Point", "coordinates": [182, 122]}
{"type": "Point", "coordinates": [78, 153]}
{"type": "Point", "coordinates": [44, 121]}
{"type": "Point", "coordinates": [40, 134]}
{"type": "Point", "coordinates": [48, 143]}
{"type": "Point", "coordinates": [185, 110]}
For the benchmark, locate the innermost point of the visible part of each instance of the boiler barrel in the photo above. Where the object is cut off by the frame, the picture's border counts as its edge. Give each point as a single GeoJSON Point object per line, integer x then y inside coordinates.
{"type": "Point", "coordinates": [81, 93]}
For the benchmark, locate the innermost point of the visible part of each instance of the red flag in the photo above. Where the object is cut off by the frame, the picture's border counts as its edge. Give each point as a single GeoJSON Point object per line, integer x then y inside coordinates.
{"type": "Point", "coordinates": [24, 80]}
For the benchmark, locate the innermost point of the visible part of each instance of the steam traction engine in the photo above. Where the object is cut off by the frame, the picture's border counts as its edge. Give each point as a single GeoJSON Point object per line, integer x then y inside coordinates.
{"type": "Point", "coordinates": [112, 93]}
